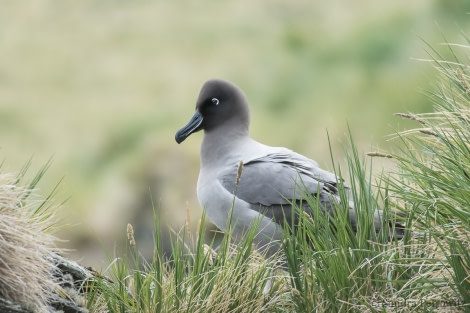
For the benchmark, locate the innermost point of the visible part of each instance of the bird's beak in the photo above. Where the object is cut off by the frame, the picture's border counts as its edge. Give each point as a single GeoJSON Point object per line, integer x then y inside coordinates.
{"type": "Point", "coordinates": [194, 125]}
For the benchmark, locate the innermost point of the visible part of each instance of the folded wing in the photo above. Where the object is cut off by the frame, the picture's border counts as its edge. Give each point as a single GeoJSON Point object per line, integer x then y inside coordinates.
{"type": "Point", "coordinates": [270, 184]}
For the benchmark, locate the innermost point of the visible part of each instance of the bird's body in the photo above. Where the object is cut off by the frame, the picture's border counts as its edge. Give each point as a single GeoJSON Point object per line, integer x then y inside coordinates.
{"type": "Point", "coordinates": [272, 177]}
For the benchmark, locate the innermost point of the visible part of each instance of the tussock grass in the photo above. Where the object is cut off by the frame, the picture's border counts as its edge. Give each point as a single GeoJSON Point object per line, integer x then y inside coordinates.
{"type": "Point", "coordinates": [26, 244]}
{"type": "Point", "coordinates": [328, 266]}
{"type": "Point", "coordinates": [196, 279]}
{"type": "Point", "coordinates": [433, 180]}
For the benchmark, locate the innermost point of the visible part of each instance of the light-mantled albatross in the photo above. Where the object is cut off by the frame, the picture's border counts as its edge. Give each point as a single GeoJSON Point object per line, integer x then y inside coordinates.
{"type": "Point", "coordinates": [271, 178]}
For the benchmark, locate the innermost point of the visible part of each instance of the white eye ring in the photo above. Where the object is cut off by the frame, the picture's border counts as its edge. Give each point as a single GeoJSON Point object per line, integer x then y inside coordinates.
{"type": "Point", "coordinates": [215, 101]}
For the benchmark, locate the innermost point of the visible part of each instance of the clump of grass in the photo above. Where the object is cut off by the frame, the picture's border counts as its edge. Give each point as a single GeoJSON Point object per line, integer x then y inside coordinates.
{"type": "Point", "coordinates": [433, 181]}
{"type": "Point", "coordinates": [26, 244]}
{"type": "Point", "coordinates": [335, 268]}
{"type": "Point", "coordinates": [430, 268]}
{"type": "Point", "coordinates": [195, 278]}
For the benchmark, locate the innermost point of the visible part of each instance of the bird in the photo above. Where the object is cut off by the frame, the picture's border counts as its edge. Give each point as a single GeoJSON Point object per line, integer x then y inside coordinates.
{"type": "Point", "coordinates": [242, 180]}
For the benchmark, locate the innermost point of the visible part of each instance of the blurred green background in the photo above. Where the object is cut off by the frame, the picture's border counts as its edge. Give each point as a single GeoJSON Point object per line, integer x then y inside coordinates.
{"type": "Point", "coordinates": [102, 87]}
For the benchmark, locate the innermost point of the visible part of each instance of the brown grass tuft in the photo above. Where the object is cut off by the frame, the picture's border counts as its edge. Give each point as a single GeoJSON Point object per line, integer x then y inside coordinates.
{"type": "Point", "coordinates": [26, 271]}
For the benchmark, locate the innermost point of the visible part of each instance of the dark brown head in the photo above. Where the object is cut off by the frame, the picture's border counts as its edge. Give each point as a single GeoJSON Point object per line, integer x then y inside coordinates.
{"type": "Point", "coordinates": [220, 104]}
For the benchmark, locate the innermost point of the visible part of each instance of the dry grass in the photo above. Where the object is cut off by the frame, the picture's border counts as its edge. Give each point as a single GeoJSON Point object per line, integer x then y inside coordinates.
{"type": "Point", "coordinates": [26, 271]}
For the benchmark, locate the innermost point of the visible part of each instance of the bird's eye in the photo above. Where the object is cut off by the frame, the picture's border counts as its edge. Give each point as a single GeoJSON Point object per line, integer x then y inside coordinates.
{"type": "Point", "coordinates": [215, 101]}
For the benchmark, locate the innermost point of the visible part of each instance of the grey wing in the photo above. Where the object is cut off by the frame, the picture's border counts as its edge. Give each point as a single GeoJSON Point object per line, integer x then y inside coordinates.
{"type": "Point", "coordinates": [271, 183]}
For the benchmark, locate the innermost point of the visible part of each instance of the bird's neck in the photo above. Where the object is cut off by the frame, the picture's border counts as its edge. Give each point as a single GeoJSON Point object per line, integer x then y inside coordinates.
{"type": "Point", "coordinates": [220, 147]}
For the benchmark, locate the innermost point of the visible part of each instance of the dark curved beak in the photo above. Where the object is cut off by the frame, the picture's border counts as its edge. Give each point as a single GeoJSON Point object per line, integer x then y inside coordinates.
{"type": "Point", "coordinates": [194, 125]}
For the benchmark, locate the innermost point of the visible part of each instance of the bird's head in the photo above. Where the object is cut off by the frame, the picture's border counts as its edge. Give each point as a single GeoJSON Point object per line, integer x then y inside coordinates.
{"type": "Point", "coordinates": [220, 103]}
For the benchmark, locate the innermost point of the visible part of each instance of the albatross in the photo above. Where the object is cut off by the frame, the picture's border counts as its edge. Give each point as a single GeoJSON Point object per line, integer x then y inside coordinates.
{"type": "Point", "coordinates": [272, 179]}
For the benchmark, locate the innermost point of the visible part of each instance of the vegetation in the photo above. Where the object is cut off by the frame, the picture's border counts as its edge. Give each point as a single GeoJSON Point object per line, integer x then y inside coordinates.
{"type": "Point", "coordinates": [26, 244]}
{"type": "Point", "coordinates": [94, 84]}
{"type": "Point", "coordinates": [427, 271]}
